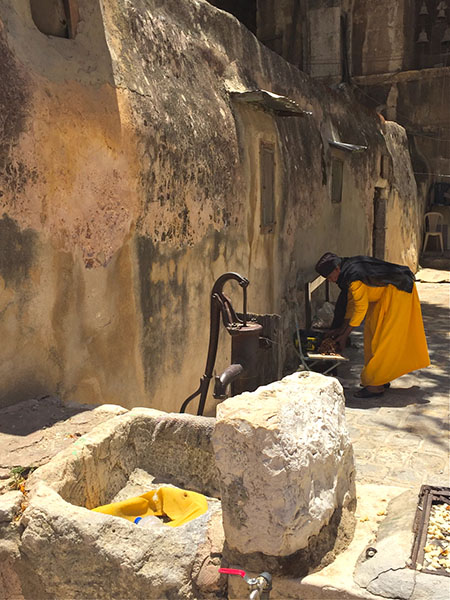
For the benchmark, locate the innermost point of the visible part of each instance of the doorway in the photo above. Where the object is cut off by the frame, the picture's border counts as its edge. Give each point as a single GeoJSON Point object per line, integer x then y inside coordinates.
{"type": "Point", "coordinates": [379, 224]}
{"type": "Point", "coordinates": [245, 12]}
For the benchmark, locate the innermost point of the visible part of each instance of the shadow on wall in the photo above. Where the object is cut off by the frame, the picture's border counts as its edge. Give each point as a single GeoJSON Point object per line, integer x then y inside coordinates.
{"type": "Point", "coordinates": [55, 17]}
{"type": "Point", "coordinates": [17, 250]}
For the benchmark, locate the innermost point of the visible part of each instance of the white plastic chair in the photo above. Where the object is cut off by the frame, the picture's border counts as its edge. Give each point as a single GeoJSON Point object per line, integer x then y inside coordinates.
{"type": "Point", "coordinates": [433, 228]}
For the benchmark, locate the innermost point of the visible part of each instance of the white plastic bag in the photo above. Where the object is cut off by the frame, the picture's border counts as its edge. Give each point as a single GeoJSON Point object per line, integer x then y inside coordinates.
{"type": "Point", "coordinates": [324, 316]}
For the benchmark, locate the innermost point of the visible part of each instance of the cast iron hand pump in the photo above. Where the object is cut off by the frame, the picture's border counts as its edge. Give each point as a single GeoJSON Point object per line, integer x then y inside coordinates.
{"type": "Point", "coordinates": [244, 351]}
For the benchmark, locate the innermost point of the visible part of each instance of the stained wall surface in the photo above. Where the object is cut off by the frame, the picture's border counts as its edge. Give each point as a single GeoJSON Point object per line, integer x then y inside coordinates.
{"type": "Point", "coordinates": [130, 180]}
{"type": "Point", "coordinates": [401, 64]}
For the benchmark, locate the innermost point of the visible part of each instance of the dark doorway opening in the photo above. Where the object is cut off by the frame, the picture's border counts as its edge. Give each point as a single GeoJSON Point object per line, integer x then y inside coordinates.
{"type": "Point", "coordinates": [379, 224]}
{"type": "Point", "coordinates": [58, 18]}
{"type": "Point", "coordinates": [243, 10]}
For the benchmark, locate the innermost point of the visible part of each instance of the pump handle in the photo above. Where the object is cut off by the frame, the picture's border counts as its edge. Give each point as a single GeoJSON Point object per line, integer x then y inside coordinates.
{"type": "Point", "coordinates": [239, 572]}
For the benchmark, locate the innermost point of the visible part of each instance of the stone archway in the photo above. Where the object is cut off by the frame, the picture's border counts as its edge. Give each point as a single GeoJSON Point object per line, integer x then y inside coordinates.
{"type": "Point", "coordinates": [58, 18]}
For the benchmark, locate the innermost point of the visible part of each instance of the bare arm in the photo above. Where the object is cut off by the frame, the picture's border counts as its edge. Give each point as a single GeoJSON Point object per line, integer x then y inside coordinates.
{"type": "Point", "coordinates": [342, 334]}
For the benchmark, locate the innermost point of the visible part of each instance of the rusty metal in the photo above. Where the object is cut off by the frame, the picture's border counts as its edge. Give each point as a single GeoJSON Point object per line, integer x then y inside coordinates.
{"type": "Point", "coordinates": [245, 344]}
{"type": "Point", "coordinates": [244, 351]}
{"type": "Point", "coordinates": [428, 496]}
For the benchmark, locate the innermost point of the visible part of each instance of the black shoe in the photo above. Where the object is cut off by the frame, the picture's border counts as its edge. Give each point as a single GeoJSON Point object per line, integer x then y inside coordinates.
{"type": "Point", "coordinates": [385, 385]}
{"type": "Point", "coordinates": [364, 393]}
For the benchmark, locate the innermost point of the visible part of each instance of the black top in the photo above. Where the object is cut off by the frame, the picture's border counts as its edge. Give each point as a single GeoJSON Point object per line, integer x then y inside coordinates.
{"type": "Point", "coordinates": [373, 272]}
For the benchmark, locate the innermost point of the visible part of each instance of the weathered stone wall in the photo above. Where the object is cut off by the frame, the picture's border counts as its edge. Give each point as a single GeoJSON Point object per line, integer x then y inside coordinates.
{"type": "Point", "coordinates": [68, 195]}
{"type": "Point", "coordinates": [381, 36]}
{"type": "Point", "coordinates": [325, 40]}
{"type": "Point", "coordinates": [281, 27]}
{"type": "Point", "coordinates": [404, 213]}
{"type": "Point", "coordinates": [418, 101]}
{"type": "Point", "coordinates": [130, 182]}
{"type": "Point", "coordinates": [407, 81]}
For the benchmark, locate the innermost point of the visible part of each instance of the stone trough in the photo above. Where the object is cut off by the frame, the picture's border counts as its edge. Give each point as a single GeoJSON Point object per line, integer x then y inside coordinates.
{"type": "Point", "coordinates": [276, 467]}
{"type": "Point", "coordinates": [70, 551]}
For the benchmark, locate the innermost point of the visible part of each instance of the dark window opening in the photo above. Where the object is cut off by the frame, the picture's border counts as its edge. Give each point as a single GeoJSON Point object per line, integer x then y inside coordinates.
{"type": "Point", "coordinates": [385, 167]}
{"type": "Point", "coordinates": [337, 170]}
{"type": "Point", "coordinates": [58, 18]}
{"type": "Point", "coordinates": [267, 186]}
{"type": "Point", "coordinates": [379, 225]}
{"type": "Point", "coordinates": [243, 10]}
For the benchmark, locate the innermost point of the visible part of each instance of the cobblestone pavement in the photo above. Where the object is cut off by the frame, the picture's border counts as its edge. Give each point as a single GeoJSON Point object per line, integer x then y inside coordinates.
{"type": "Point", "coordinates": [403, 438]}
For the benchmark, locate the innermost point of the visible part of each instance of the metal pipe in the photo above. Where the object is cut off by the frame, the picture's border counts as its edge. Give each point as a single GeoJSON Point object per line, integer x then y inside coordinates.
{"type": "Point", "coordinates": [244, 316]}
{"type": "Point", "coordinates": [225, 379]}
{"type": "Point", "coordinates": [245, 352]}
{"type": "Point", "coordinates": [219, 304]}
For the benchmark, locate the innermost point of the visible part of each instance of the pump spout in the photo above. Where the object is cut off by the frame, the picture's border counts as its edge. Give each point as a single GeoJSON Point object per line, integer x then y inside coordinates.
{"type": "Point", "coordinates": [223, 381]}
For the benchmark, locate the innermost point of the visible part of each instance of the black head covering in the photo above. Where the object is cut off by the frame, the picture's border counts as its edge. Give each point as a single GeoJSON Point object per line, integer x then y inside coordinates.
{"type": "Point", "coordinates": [327, 264]}
{"type": "Point", "coordinates": [375, 272]}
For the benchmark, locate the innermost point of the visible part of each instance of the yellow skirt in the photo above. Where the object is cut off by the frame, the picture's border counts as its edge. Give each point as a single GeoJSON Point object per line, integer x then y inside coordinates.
{"type": "Point", "coordinates": [394, 336]}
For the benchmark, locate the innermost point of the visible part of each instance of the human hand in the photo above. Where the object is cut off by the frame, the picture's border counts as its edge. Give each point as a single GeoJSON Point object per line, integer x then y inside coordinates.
{"type": "Point", "coordinates": [333, 333]}
{"type": "Point", "coordinates": [341, 341]}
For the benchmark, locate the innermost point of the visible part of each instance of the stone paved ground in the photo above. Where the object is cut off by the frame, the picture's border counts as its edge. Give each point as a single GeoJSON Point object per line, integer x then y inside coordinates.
{"type": "Point", "coordinates": [400, 442]}
{"type": "Point", "coordinates": [33, 431]}
{"type": "Point", "coordinates": [402, 438]}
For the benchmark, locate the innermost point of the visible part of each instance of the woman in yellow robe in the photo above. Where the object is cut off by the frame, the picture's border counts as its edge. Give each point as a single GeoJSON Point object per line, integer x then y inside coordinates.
{"type": "Point", "coordinates": [394, 336]}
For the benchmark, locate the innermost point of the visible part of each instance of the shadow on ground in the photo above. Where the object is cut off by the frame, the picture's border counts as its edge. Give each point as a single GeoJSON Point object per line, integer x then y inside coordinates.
{"type": "Point", "coordinates": [436, 260]}
{"type": "Point", "coordinates": [40, 413]}
{"type": "Point", "coordinates": [416, 405]}
{"type": "Point", "coordinates": [395, 397]}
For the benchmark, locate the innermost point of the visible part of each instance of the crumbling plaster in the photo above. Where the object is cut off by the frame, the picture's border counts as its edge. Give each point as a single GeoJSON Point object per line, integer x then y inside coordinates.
{"type": "Point", "coordinates": [130, 179]}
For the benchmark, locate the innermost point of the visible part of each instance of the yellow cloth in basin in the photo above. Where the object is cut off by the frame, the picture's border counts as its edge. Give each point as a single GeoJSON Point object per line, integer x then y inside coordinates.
{"type": "Point", "coordinates": [180, 506]}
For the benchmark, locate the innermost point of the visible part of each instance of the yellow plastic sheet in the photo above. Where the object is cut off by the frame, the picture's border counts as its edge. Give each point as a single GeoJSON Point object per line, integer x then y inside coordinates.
{"type": "Point", "coordinates": [180, 506]}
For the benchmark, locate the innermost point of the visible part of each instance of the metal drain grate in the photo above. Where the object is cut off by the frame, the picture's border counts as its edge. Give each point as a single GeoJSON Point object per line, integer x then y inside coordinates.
{"type": "Point", "coordinates": [431, 547]}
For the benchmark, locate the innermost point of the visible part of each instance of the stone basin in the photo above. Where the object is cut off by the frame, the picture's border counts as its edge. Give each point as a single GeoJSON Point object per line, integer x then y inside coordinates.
{"type": "Point", "coordinates": [69, 550]}
{"type": "Point", "coordinates": [279, 459]}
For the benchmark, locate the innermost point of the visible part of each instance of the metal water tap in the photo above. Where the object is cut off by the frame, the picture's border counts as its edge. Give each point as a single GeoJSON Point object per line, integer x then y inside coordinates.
{"type": "Point", "coordinates": [259, 587]}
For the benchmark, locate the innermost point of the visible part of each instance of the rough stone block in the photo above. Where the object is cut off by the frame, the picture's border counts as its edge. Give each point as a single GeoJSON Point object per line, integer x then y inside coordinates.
{"type": "Point", "coordinates": [285, 462]}
{"type": "Point", "coordinates": [10, 505]}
